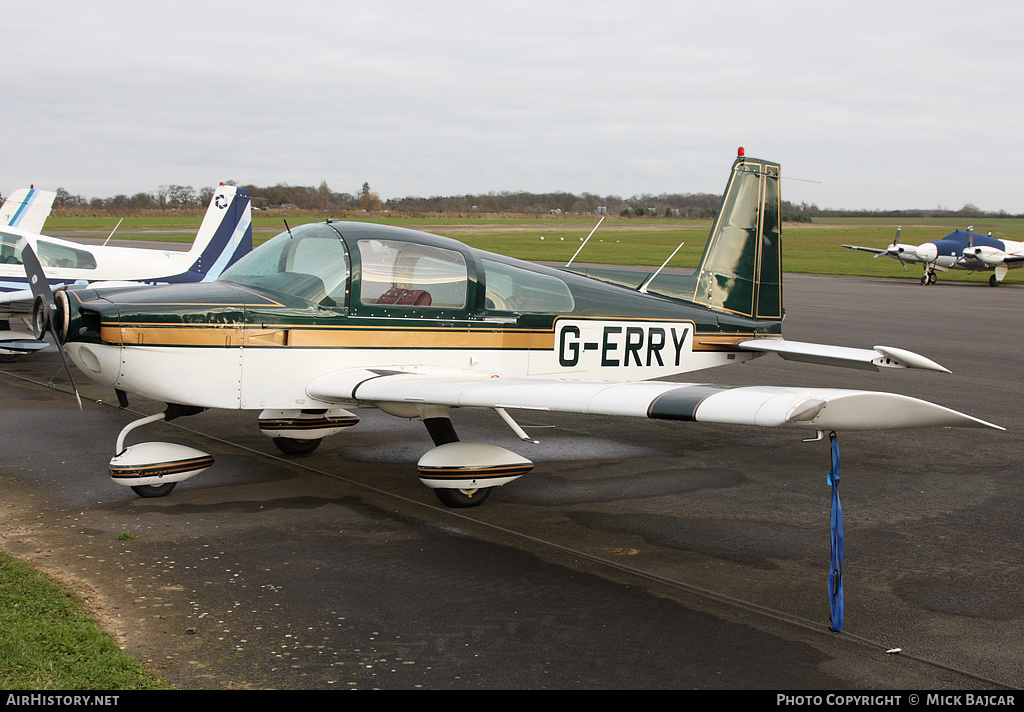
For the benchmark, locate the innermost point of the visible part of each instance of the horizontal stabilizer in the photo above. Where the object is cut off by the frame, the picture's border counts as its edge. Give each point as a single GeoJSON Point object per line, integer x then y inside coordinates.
{"type": "Point", "coordinates": [811, 408]}
{"type": "Point", "coordinates": [869, 359]}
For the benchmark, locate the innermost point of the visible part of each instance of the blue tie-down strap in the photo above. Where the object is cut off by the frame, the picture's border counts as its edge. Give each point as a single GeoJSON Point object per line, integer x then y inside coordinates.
{"type": "Point", "coordinates": [835, 578]}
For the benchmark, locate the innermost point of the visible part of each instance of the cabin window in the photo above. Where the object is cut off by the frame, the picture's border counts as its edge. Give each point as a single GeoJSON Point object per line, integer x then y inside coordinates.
{"type": "Point", "coordinates": [10, 254]}
{"type": "Point", "coordinates": [407, 274]}
{"type": "Point", "coordinates": [519, 290]}
{"type": "Point", "coordinates": [50, 254]}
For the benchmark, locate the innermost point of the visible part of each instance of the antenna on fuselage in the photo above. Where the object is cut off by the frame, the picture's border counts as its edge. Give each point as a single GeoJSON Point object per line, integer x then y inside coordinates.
{"type": "Point", "coordinates": [287, 228]}
{"type": "Point", "coordinates": [643, 287]}
{"type": "Point", "coordinates": [113, 231]}
{"type": "Point", "coordinates": [586, 241]}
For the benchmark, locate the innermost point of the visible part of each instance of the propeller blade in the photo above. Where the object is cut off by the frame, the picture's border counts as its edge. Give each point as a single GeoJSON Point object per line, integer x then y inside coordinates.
{"type": "Point", "coordinates": [43, 320]}
{"type": "Point", "coordinates": [40, 287]}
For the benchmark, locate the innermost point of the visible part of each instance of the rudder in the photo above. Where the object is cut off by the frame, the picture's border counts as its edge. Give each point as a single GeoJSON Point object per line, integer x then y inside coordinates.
{"type": "Point", "coordinates": [741, 268]}
{"type": "Point", "coordinates": [27, 209]}
{"type": "Point", "coordinates": [225, 234]}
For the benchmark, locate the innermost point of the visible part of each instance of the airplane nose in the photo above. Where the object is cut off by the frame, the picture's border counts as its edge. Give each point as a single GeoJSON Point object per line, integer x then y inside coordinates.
{"type": "Point", "coordinates": [927, 252]}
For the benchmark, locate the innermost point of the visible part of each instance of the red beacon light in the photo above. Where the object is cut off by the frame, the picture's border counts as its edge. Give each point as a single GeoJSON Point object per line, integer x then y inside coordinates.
{"type": "Point", "coordinates": [740, 152]}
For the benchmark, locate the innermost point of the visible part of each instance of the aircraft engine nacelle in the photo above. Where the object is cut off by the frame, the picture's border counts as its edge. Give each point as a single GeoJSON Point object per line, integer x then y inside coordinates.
{"type": "Point", "coordinates": [460, 465]}
{"type": "Point", "coordinates": [154, 464]}
{"type": "Point", "coordinates": [927, 252]}
{"type": "Point", "coordinates": [987, 255]}
{"type": "Point", "coordinates": [305, 424]}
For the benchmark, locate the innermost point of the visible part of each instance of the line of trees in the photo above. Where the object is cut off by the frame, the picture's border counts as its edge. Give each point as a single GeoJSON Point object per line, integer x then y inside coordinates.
{"type": "Point", "coordinates": [321, 198]}
{"type": "Point", "coordinates": [174, 197]}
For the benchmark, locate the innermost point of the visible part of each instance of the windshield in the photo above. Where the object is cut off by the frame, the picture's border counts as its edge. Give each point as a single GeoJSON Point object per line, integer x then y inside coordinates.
{"type": "Point", "coordinates": [309, 262]}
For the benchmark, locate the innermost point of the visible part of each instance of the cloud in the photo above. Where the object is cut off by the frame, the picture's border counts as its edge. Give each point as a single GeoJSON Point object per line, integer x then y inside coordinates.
{"type": "Point", "coordinates": [885, 105]}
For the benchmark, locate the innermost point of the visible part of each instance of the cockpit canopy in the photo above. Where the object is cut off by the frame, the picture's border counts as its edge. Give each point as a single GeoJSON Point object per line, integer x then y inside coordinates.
{"type": "Point", "coordinates": [376, 267]}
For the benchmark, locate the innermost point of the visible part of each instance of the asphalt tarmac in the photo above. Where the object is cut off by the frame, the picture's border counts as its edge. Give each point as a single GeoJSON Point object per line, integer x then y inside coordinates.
{"type": "Point", "coordinates": [637, 555]}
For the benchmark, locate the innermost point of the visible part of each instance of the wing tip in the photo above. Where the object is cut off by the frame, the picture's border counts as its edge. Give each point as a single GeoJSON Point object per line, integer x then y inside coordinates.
{"type": "Point", "coordinates": [871, 410]}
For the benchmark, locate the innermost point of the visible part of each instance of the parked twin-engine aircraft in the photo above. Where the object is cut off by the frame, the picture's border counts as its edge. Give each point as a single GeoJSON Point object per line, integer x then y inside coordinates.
{"type": "Point", "coordinates": [338, 315]}
{"type": "Point", "coordinates": [960, 249]}
{"type": "Point", "coordinates": [224, 235]}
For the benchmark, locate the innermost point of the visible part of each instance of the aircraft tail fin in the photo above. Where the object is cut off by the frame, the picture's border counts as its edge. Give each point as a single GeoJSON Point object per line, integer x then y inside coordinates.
{"type": "Point", "coordinates": [741, 269]}
{"type": "Point", "coordinates": [27, 209]}
{"type": "Point", "coordinates": [225, 233]}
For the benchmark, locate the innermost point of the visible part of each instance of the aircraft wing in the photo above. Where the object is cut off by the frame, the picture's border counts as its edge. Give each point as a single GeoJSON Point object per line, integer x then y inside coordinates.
{"type": "Point", "coordinates": [20, 342]}
{"type": "Point", "coordinates": [808, 408]}
{"type": "Point", "coordinates": [875, 250]}
{"type": "Point", "coordinates": [18, 295]}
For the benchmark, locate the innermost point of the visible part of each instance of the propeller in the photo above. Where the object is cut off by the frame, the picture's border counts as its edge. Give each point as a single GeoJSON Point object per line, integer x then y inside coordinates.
{"type": "Point", "coordinates": [969, 251]}
{"type": "Point", "coordinates": [894, 250]}
{"type": "Point", "coordinates": [45, 311]}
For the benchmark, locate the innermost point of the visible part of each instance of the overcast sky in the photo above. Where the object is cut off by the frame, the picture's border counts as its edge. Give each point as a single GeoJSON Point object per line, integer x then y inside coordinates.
{"type": "Point", "coordinates": [868, 104]}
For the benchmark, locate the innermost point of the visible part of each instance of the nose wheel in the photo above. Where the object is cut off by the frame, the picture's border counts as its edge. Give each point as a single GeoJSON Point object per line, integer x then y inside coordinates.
{"type": "Point", "coordinates": [154, 490]}
{"type": "Point", "coordinates": [460, 498]}
{"type": "Point", "coordinates": [292, 446]}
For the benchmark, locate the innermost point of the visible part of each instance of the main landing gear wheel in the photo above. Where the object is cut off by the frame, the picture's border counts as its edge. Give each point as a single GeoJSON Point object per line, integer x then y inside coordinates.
{"type": "Point", "coordinates": [929, 278]}
{"type": "Point", "coordinates": [154, 490]}
{"type": "Point", "coordinates": [292, 446]}
{"type": "Point", "coordinates": [992, 281]}
{"type": "Point", "coordinates": [462, 497]}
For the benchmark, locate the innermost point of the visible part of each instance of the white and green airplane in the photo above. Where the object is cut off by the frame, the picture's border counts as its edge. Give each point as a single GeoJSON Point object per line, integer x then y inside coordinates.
{"type": "Point", "coordinates": [331, 317]}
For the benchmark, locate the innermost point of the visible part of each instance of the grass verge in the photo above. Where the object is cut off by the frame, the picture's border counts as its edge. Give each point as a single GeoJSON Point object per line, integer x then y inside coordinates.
{"type": "Point", "coordinates": [50, 641]}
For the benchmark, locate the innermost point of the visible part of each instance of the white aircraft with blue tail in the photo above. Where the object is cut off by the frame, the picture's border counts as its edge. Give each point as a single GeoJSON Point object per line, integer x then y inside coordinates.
{"type": "Point", "coordinates": [224, 236]}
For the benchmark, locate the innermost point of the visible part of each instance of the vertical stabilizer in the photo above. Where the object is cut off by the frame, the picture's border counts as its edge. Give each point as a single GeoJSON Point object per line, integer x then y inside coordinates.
{"type": "Point", "coordinates": [225, 234]}
{"type": "Point", "coordinates": [741, 269]}
{"type": "Point", "coordinates": [27, 209]}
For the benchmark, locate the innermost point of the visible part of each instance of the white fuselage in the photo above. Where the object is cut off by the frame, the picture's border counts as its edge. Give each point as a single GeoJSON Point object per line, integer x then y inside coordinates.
{"type": "Point", "coordinates": [252, 375]}
{"type": "Point", "coordinates": [68, 262]}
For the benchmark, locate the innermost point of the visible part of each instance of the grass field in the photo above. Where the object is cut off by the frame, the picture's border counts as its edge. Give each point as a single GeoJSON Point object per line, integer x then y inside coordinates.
{"type": "Point", "coordinates": [814, 248]}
